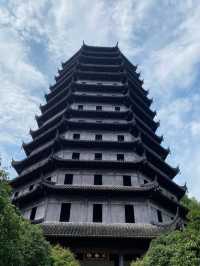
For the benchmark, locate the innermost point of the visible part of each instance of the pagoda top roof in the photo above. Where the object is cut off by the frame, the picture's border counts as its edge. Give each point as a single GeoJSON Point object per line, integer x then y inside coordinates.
{"type": "Point", "coordinates": [100, 48]}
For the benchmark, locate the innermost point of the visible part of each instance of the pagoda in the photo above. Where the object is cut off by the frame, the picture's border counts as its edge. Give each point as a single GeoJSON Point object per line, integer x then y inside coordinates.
{"type": "Point", "coordinates": [95, 174]}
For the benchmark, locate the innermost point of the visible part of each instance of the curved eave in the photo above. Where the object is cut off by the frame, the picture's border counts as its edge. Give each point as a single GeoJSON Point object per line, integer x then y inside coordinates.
{"type": "Point", "coordinates": [149, 142]}
{"type": "Point", "coordinates": [161, 164]}
{"type": "Point", "coordinates": [145, 118]}
{"type": "Point", "coordinates": [65, 71]}
{"type": "Point", "coordinates": [136, 101]}
{"type": "Point", "coordinates": [144, 129]}
{"type": "Point", "coordinates": [59, 96]}
{"type": "Point", "coordinates": [56, 89]}
{"type": "Point", "coordinates": [62, 82]}
{"type": "Point", "coordinates": [136, 89]}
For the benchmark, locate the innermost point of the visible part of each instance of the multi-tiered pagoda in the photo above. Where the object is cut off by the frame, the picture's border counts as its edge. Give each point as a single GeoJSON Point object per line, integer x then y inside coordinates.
{"type": "Point", "coordinates": [95, 175]}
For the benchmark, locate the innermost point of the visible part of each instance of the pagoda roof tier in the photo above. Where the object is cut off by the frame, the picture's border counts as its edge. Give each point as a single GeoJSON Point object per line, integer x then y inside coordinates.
{"type": "Point", "coordinates": [60, 106]}
{"type": "Point", "coordinates": [60, 143]}
{"type": "Point", "coordinates": [84, 86]}
{"type": "Point", "coordinates": [62, 74]}
{"type": "Point", "coordinates": [50, 188]}
{"type": "Point", "coordinates": [137, 86]}
{"type": "Point", "coordinates": [100, 53]}
{"type": "Point", "coordinates": [57, 98]}
{"type": "Point", "coordinates": [149, 142]}
{"type": "Point", "coordinates": [44, 134]}
{"type": "Point", "coordinates": [149, 190]}
{"type": "Point", "coordinates": [57, 90]}
{"type": "Point", "coordinates": [136, 91]}
{"type": "Point", "coordinates": [100, 60]}
{"type": "Point", "coordinates": [98, 231]}
{"type": "Point", "coordinates": [144, 128]}
{"type": "Point", "coordinates": [144, 117]}
{"type": "Point", "coordinates": [100, 68]}
{"type": "Point", "coordinates": [141, 164]}
{"type": "Point", "coordinates": [131, 145]}
{"type": "Point", "coordinates": [66, 124]}
{"type": "Point", "coordinates": [115, 125]}
{"type": "Point", "coordinates": [140, 104]}
{"type": "Point", "coordinates": [100, 76]}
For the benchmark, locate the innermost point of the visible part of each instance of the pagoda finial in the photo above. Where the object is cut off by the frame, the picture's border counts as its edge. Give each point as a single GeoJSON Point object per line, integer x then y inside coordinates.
{"type": "Point", "coordinates": [116, 44]}
{"type": "Point", "coordinates": [83, 43]}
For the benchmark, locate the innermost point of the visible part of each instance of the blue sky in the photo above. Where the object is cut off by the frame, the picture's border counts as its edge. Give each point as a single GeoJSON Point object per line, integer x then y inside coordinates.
{"type": "Point", "coordinates": [162, 37]}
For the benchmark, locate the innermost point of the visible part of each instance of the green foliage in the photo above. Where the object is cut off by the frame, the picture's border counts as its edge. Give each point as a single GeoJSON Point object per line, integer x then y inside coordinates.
{"type": "Point", "coordinates": [62, 257]}
{"type": "Point", "coordinates": [21, 243]}
{"type": "Point", "coordinates": [178, 247]}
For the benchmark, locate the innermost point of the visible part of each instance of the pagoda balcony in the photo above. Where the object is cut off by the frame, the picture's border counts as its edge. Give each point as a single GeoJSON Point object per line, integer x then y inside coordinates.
{"type": "Point", "coordinates": [100, 60]}
{"type": "Point", "coordinates": [100, 53]}
{"type": "Point", "coordinates": [100, 76]}
{"type": "Point", "coordinates": [100, 68]}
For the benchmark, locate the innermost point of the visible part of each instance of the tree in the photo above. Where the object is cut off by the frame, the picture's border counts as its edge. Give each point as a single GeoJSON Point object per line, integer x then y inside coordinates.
{"type": "Point", "coordinates": [62, 257]}
{"type": "Point", "coordinates": [178, 247]}
{"type": "Point", "coordinates": [21, 243]}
